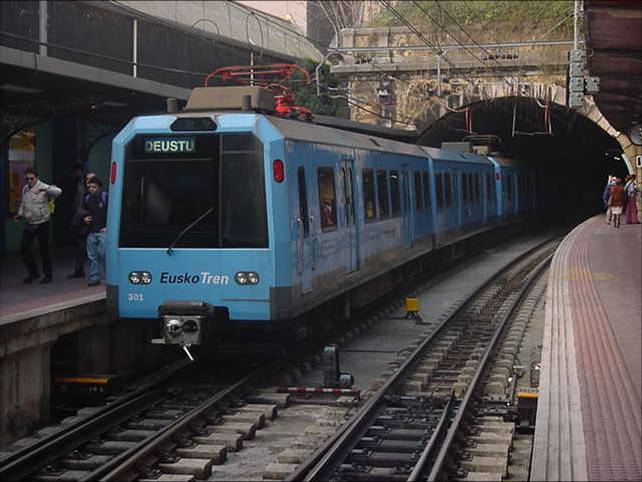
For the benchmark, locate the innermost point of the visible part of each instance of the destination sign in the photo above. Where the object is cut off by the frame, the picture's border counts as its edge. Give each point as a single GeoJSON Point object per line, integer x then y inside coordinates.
{"type": "Point", "coordinates": [172, 144]}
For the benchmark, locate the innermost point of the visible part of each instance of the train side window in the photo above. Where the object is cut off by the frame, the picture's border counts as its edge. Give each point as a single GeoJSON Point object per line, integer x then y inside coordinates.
{"type": "Point", "coordinates": [464, 187]}
{"type": "Point", "coordinates": [303, 202]}
{"type": "Point", "coordinates": [448, 189]}
{"type": "Point", "coordinates": [424, 176]}
{"type": "Point", "coordinates": [419, 203]}
{"type": "Point", "coordinates": [382, 191]}
{"type": "Point", "coordinates": [394, 193]}
{"type": "Point", "coordinates": [477, 188]}
{"type": "Point", "coordinates": [369, 202]}
{"type": "Point", "coordinates": [327, 199]}
{"type": "Point", "coordinates": [439, 190]}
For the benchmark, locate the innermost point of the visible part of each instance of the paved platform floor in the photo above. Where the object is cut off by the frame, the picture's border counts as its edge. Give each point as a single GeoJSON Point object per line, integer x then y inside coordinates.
{"type": "Point", "coordinates": [17, 298]}
{"type": "Point", "coordinates": [590, 411]}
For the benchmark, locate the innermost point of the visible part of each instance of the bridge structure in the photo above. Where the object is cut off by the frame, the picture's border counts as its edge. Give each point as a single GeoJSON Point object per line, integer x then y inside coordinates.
{"type": "Point", "coordinates": [399, 78]}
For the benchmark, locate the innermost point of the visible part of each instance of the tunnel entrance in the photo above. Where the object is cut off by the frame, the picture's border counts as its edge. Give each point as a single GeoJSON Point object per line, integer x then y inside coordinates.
{"type": "Point", "coordinates": [570, 154]}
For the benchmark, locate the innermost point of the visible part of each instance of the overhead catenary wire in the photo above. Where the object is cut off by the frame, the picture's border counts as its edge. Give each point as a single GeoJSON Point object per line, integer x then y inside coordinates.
{"type": "Point", "coordinates": [413, 29]}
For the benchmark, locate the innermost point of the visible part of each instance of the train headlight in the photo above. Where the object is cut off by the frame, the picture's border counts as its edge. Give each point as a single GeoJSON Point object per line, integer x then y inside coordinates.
{"type": "Point", "coordinates": [246, 277]}
{"type": "Point", "coordinates": [173, 327]}
{"type": "Point", "coordinates": [140, 277]}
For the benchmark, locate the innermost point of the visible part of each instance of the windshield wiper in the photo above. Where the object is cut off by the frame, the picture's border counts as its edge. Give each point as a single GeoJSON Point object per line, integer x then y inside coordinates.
{"type": "Point", "coordinates": [180, 235]}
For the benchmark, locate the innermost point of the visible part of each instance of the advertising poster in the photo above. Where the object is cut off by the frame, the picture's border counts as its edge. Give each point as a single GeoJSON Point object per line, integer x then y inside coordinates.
{"type": "Point", "coordinates": [22, 154]}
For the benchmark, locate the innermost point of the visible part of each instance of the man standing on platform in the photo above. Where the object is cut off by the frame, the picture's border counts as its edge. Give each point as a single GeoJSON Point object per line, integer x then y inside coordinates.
{"type": "Point", "coordinates": [95, 217]}
{"type": "Point", "coordinates": [36, 210]}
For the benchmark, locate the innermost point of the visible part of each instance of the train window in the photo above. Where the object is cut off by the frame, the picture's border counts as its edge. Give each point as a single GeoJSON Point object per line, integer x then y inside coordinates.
{"type": "Point", "coordinates": [448, 189]}
{"type": "Point", "coordinates": [303, 202]}
{"type": "Point", "coordinates": [163, 193]}
{"type": "Point", "coordinates": [464, 186]}
{"type": "Point", "coordinates": [419, 202]}
{"type": "Point", "coordinates": [382, 191]}
{"type": "Point", "coordinates": [239, 142]}
{"type": "Point", "coordinates": [348, 195]}
{"type": "Point", "coordinates": [477, 187]}
{"type": "Point", "coordinates": [439, 190]}
{"type": "Point", "coordinates": [424, 176]}
{"type": "Point", "coordinates": [327, 199]}
{"type": "Point", "coordinates": [394, 193]}
{"type": "Point", "coordinates": [369, 204]}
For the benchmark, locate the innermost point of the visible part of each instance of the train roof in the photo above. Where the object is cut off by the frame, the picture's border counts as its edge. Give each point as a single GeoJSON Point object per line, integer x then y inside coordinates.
{"type": "Point", "coordinates": [305, 131]}
{"type": "Point", "coordinates": [506, 161]}
{"type": "Point", "coordinates": [450, 155]}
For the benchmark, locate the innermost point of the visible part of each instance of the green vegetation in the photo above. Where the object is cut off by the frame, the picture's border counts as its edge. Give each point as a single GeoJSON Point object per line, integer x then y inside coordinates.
{"type": "Point", "coordinates": [306, 95]}
{"type": "Point", "coordinates": [484, 12]}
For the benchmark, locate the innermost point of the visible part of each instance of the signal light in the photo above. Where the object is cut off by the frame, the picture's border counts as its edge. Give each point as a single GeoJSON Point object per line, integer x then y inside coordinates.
{"type": "Point", "coordinates": [112, 173]}
{"type": "Point", "coordinates": [278, 170]}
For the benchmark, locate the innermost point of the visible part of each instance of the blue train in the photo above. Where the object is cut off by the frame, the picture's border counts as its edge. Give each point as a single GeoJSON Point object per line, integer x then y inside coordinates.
{"type": "Point", "coordinates": [223, 218]}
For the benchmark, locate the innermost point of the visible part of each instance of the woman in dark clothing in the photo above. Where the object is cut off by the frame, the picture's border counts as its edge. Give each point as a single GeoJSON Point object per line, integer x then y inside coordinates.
{"type": "Point", "coordinates": [617, 200]}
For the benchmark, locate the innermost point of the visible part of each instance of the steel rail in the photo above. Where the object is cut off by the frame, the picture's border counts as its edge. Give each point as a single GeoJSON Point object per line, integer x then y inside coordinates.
{"type": "Point", "coordinates": [432, 443]}
{"type": "Point", "coordinates": [315, 466]}
{"type": "Point", "coordinates": [472, 386]}
{"type": "Point", "coordinates": [59, 445]}
{"type": "Point", "coordinates": [28, 460]}
{"type": "Point", "coordinates": [116, 468]}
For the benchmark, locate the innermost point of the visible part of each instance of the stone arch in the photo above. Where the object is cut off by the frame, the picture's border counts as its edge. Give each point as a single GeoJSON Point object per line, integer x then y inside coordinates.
{"type": "Point", "coordinates": [542, 92]}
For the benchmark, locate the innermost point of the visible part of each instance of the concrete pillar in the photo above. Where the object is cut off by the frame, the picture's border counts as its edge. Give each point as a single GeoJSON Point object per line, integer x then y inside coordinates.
{"type": "Point", "coordinates": [347, 35]}
{"type": "Point", "coordinates": [25, 387]}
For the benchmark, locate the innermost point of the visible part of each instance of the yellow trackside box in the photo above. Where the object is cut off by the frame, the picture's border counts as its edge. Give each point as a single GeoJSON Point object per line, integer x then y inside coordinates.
{"type": "Point", "coordinates": [412, 305]}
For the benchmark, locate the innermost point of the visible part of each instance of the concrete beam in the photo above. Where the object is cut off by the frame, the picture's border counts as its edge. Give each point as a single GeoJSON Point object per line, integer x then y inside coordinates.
{"type": "Point", "coordinates": [44, 325]}
{"type": "Point", "coordinates": [64, 68]}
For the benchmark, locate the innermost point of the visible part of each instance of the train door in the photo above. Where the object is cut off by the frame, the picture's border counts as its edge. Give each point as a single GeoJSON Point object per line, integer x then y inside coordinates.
{"type": "Point", "coordinates": [458, 205]}
{"type": "Point", "coordinates": [304, 240]}
{"type": "Point", "coordinates": [351, 225]}
{"type": "Point", "coordinates": [407, 206]}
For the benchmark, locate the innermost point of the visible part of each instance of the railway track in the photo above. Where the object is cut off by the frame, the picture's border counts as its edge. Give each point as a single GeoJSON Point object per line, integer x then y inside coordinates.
{"type": "Point", "coordinates": [143, 434]}
{"type": "Point", "coordinates": [188, 429]}
{"type": "Point", "coordinates": [411, 427]}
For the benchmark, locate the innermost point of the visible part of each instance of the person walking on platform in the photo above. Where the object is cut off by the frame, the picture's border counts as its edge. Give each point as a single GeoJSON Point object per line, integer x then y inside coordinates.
{"type": "Point", "coordinates": [95, 217]}
{"type": "Point", "coordinates": [35, 209]}
{"type": "Point", "coordinates": [79, 229]}
{"type": "Point", "coordinates": [632, 192]}
{"type": "Point", "coordinates": [605, 197]}
{"type": "Point", "coordinates": [617, 200]}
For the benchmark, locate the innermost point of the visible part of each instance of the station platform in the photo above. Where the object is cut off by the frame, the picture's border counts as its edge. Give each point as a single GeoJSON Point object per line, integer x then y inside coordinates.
{"type": "Point", "coordinates": [25, 301]}
{"type": "Point", "coordinates": [589, 411]}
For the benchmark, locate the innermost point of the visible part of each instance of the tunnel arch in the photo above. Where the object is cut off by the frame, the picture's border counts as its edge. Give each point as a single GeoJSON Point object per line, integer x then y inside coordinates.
{"type": "Point", "coordinates": [569, 151]}
{"type": "Point", "coordinates": [527, 103]}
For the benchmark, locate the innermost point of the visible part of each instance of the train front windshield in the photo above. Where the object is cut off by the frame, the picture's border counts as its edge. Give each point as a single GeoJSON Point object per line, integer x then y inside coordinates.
{"type": "Point", "coordinates": [172, 180]}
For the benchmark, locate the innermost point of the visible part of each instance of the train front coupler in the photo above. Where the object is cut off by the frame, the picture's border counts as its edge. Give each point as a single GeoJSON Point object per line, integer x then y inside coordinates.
{"type": "Point", "coordinates": [182, 323]}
